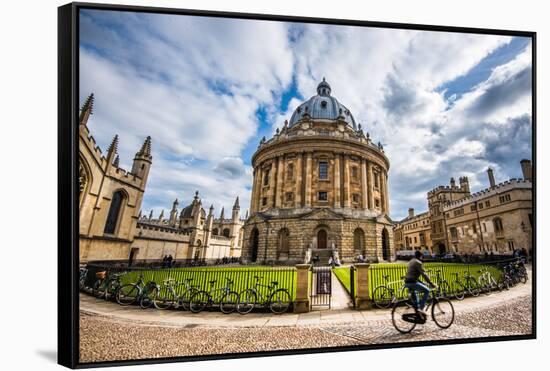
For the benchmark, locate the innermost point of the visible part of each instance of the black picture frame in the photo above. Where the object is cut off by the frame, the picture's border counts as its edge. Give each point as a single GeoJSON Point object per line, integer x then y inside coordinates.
{"type": "Point", "coordinates": [68, 210]}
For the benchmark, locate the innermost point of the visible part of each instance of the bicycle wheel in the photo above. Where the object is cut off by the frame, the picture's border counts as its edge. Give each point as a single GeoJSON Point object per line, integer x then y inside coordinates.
{"type": "Point", "coordinates": [98, 290]}
{"type": "Point", "coordinates": [147, 296]}
{"type": "Point", "coordinates": [127, 294]}
{"type": "Point", "coordinates": [401, 310]}
{"type": "Point", "coordinates": [444, 289]}
{"type": "Point", "coordinates": [523, 276]}
{"type": "Point", "coordinates": [199, 301]}
{"type": "Point", "coordinates": [185, 298]}
{"type": "Point", "coordinates": [472, 286]}
{"type": "Point", "coordinates": [247, 301]}
{"type": "Point", "coordinates": [443, 312]}
{"type": "Point", "coordinates": [229, 302]}
{"type": "Point", "coordinates": [382, 297]}
{"type": "Point", "coordinates": [460, 291]}
{"type": "Point", "coordinates": [279, 301]}
{"type": "Point", "coordinates": [165, 297]}
{"type": "Point", "coordinates": [111, 290]}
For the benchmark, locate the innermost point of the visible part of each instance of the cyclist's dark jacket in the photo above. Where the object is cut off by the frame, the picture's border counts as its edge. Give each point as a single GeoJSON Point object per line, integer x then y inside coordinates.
{"type": "Point", "coordinates": [415, 270]}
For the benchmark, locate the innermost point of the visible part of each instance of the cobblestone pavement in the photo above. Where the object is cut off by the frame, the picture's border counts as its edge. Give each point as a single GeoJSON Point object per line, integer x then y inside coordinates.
{"type": "Point", "coordinates": [103, 339]}
{"type": "Point", "coordinates": [508, 318]}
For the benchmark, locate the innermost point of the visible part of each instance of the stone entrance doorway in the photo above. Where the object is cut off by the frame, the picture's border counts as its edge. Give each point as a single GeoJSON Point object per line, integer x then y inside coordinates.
{"type": "Point", "coordinates": [322, 239]}
{"type": "Point", "coordinates": [385, 245]}
{"type": "Point", "coordinates": [254, 242]}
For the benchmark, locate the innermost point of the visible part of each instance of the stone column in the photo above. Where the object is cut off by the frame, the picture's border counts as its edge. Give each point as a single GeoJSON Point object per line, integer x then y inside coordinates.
{"type": "Point", "coordinates": [363, 299]}
{"type": "Point", "coordinates": [301, 304]}
{"type": "Point", "coordinates": [347, 202]}
{"type": "Point", "coordinates": [386, 192]}
{"type": "Point", "coordinates": [370, 185]}
{"type": "Point", "coordinates": [336, 180]}
{"type": "Point", "coordinates": [256, 185]}
{"type": "Point", "coordinates": [298, 188]}
{"type": "Point", "coordinates": [382, 191]}
{"type": "Point", "coordinates": [279, 185]}
{"type": "Point", "coordinates": [309, 175]}
{"type": "Point", "coordinates": [272, 183]}
{"type": "Point", "coordinates": [364, 196]}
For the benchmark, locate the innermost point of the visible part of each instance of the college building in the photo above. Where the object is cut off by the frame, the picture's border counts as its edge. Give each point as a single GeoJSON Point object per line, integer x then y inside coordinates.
{"type": "Point", "coordinates": [111, 223]}
{"type": "Point", "coordinates": [320, 188]}
{"type": "Point", "coordinates": [497, 219]}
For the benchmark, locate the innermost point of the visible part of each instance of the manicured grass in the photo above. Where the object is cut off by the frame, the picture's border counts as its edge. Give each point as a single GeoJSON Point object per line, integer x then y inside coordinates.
{"type": "Point", "coordinates": [242, 277]}
{"type": "Point", "coordinates": [343, 275]}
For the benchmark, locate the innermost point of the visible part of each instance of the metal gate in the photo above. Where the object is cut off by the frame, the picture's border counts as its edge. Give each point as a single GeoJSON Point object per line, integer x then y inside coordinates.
{"type": "Point", "coordinates": [321, 287]}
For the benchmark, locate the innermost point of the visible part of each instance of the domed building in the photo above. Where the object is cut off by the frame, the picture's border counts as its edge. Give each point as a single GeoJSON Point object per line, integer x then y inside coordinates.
{"type": "Point", "coordinates": [320, 187]}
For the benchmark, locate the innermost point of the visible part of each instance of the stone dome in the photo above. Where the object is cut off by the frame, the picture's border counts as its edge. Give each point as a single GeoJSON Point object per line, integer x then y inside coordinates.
{"type": "Point", "coordinates": [323, 106]}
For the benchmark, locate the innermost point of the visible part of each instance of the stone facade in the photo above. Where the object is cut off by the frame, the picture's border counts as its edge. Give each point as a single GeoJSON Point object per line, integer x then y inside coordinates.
{"type": "Point", "coordinates": [414, 232]}
{"type": "Point", "coordinates": [320, 186]}
{"type": "Point", "coordinates": [498, 219]}
{"type": "Point", "coordinates": [111, 224]}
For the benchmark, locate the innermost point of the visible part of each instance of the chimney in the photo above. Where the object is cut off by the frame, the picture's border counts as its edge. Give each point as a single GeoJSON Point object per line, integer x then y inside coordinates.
{"type": "Point", "coordinates": [464, 184]}
{"type": "Point", "coordinates": [411, 212]}
{"type": "Point", "coordinates": [491, 177]}
{"type": "Point", "coordinates": [526, 169]}
{"type": "Point", "coordinates": [453, 183]}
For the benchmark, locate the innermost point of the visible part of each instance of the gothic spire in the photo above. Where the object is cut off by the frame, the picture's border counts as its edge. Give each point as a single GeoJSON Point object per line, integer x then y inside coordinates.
{"type": "Point", "coordinates": [161, 216]}
{"type": "Point", "coordinates": [175, 204]}
{"type": "Point", "coordinates": [145, 148]}
{"type": "Point", "coordinates": [222, 216]}
{"type": "Point", "coordinates": [116, 162]}
{"type": "Point", "coordinates": [236, 205]}
{"type": "Point", "coordinates": [87, 109]}
{"type": "Point", "coordinates": [151, 215]}
{"type": "Point", "coordinates": [113, 148]}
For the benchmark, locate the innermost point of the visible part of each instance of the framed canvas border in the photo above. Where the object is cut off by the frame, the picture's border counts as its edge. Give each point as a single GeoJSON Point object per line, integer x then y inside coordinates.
{"type": "Point", "coordinates": [68, 245]}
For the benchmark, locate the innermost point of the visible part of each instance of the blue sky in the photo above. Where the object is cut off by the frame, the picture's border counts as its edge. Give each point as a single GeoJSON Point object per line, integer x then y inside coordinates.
{"type": "Point", "coordinates": [207, 90]}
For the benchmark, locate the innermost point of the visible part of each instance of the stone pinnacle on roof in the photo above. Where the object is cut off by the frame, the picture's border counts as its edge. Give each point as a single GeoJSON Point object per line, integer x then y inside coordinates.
{"type": "Point", "coordinates": [236, 205]}
{"type": "Point", "coordinates": [116, 162]}
{"type": "Point", "coordinates": [87, 108]}
{"type": "Point", "coordinates": [113, 148]}
{"type": "Point", "coordinates": [146, 147]}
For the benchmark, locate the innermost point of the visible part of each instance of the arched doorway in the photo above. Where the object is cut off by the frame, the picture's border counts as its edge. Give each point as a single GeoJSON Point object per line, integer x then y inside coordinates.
{"type": "Point", "coordinates": [283, 245]}
{"type": "Point", "coordinates": [254, 239]}
{"type": "Point", "coordinates": [441, 248]}
{"type": "Point", "coordinates": [358, 241]}
{"type": "Point", "coordinates": [385, 244]}
{"type": "Point", "coordinates": [322, 239]}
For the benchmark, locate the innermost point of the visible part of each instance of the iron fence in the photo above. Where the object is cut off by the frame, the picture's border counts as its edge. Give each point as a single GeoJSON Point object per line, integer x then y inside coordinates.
{"type": "Point", "coordinates": [392, 275]}
{"type": "Point", "coordinates": [204, 278]}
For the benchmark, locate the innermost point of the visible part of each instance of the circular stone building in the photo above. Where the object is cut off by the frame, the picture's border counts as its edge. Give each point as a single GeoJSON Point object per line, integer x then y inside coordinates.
{"type": "Point", "coordinates": [320, 188]}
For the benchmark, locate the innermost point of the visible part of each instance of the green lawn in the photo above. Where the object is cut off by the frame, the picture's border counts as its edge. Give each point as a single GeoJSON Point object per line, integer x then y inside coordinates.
{"type": "Point", "coordinates": [343, 275]}
{"type": "Point", "coordinates": [243, 277]}
{"type": "Point", "coordinates": [397, 271]}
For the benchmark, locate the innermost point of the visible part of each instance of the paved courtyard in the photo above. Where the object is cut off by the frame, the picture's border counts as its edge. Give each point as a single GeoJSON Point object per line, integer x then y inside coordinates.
{"type": "Point", "coordinates": [111, 332]}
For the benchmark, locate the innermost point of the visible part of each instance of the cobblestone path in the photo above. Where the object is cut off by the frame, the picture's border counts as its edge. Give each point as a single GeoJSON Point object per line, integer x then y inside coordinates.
{"type": "Point", "coordinates": [103, 339]}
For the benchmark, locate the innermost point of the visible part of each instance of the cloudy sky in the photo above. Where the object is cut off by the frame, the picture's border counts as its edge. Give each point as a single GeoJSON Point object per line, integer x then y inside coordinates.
{"type": "Point", "coordinates": [207, 89]}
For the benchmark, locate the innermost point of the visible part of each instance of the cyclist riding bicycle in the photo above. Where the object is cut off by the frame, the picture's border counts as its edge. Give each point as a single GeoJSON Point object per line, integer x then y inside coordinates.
{"type": "Point", "coordinates": [414, 271]}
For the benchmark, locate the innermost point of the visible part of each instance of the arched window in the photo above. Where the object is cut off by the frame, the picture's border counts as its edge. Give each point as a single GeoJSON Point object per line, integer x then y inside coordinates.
{"type": "Point", "coordinates": [290, 172]}
{"type": "Point", "coordinates": [215, 231]}
{"type": "Point", "coordinates": [454, 233]}
{"type": "Point", "coordinates": [226, 232]}
{"type": "Point", "coordinates": [499, 229]}
{"type": "Point", "coordinates": [113, 217]}
{"type": "Point", "coordinates": [283, 245]}
{"type": "Point", "coordinates": [358, 241]}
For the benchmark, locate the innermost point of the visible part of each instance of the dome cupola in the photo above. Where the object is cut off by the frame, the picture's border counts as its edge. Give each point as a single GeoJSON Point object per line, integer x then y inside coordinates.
{"type": "Point", "coordinates": [323, 106]}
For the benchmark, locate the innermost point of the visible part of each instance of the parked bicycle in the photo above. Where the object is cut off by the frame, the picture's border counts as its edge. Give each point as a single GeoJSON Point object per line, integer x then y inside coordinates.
{"type": "Point", "coordinates": [441, 282]}
{"type": "Point", "coordinates": [487, 281]}
{"type": "Point", "coordinates": [83, 274]}
{"type": "Point", "coordinates": [107, 285]}
{"type": "Point", "coordinates": [276, 299]}
{"type": "Point", "coordinates": [138, 292]}
{"type": "Point", "coordinates": [384, 295]}
{"type": "Point", "coordinates": [405, 316]}
{"type": "Point", "coordinates": [167, 296]}
{"type": "Point", "coordinates": [467, 285]}
{"type": "Point", "coordinates": [225, 297]}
